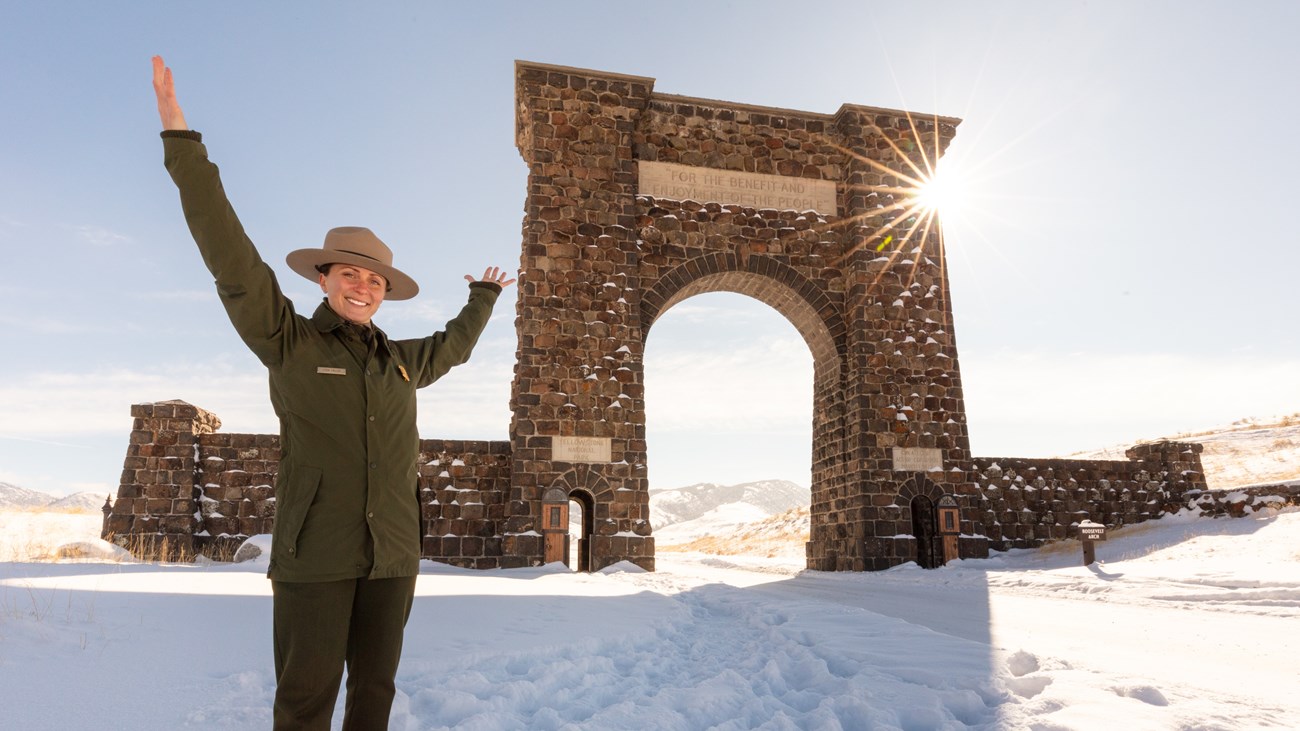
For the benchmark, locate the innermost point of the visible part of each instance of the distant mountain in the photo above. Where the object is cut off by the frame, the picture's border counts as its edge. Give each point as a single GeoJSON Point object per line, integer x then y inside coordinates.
{"type": "Point", "coordinates": [13, 497]}
{"type": "Point", "coordinates": [80, 502]}
{"type": "Point", "coordinates": [755, 499]}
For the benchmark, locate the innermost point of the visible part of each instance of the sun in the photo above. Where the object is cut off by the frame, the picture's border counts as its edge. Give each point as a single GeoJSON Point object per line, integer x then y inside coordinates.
{"type": "Point", "coordinates": [937, 193]}
{"type": "Point", "coordinates": [920, 192]}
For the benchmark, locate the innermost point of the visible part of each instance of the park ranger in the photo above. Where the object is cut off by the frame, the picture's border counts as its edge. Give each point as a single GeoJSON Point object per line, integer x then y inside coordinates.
{"type": "Point", "coordinates": [346, 544]}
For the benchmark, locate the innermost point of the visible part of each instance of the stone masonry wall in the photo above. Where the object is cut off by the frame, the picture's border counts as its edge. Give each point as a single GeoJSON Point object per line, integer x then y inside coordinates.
{"type": "Point", "coordinates": [1024, 503]}
{"type": "Point", "coordinates": [191, 490]}
{"type": "Point", "coordinates": [1244, 501]}
{"type": "Point", "coordinates": [464, 487]}
{"type": "Point", "coordinates": [188, 490]}
{"type": "Point", "coordinates": [236, 489]}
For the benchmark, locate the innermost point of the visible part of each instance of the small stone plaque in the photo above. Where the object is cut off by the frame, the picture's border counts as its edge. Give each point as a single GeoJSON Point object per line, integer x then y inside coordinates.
{"type": "Point", "coordinates": [918, 459]}
{"type": "Point", "coordinates": [780, 192]}
{"type": "Point", "coordinates": [582, 449]}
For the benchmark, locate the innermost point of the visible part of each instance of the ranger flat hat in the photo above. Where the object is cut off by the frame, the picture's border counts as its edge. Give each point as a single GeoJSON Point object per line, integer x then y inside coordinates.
{"type": "Point", "coordinates": [358, 246]}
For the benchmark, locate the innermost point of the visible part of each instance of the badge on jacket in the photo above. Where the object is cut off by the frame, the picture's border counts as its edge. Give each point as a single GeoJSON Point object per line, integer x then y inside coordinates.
{"type": "Point", "coordinates": [332, 371]}
{"type": "Point", "coordinates": [405, 377]}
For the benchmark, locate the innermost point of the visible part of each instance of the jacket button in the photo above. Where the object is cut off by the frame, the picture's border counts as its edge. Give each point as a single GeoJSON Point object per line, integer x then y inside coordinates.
{"type": "Point", "coordinates": [374, 465]}
{"type": "Point", "coordinates": [290, 550]}
{"type": "Point", "coordinates": [370, 515]}
{"type": "Point", "coordinates": [372, 418]}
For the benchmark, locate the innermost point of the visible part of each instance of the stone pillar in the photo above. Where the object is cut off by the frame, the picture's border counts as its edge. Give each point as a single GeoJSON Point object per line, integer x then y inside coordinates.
{"type": "Point", "coordinates": [901, 384]}
{"type": "Point", "coordinates": [156, 512]}
{"type": "Point", "coordinates": [1173, 469]}
{"type": "Point", "coordinates": [579, 372]}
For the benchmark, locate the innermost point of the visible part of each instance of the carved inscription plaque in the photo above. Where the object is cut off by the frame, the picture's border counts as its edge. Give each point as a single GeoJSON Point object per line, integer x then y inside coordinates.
{"type": "Point", "coordinates": [582, 449]}
{"type": "Point", "coordinates": [781, 192]}
{"type": "Point", "coordinates": [918, 459]}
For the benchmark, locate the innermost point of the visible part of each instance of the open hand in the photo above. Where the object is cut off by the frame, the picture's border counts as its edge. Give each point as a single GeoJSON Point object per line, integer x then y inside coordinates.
{"type": "Point", "coordinates": [169, 110]}
{"type": "Point", "coordinates": [494, 275]}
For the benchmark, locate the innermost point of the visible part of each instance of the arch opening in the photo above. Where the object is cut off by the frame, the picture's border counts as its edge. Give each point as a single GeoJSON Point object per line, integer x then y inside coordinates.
{"type": "Point", "coordinates": [729, 428]}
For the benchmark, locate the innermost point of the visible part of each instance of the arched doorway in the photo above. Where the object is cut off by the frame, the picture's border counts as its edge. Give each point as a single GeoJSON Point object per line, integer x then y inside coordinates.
{"type": "Point", "coordinates": [925, 528]}
{"type": "Point", "coordinates": [581, 526]}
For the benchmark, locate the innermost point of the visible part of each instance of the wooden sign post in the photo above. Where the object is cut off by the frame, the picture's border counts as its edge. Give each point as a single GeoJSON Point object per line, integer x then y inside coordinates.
{"type": "Point", "coordinates": [1090, 533]}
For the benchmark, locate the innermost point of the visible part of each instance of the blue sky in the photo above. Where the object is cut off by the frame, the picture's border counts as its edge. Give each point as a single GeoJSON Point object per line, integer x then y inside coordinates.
{"type": "Point", "coordinates": [1122, 255]}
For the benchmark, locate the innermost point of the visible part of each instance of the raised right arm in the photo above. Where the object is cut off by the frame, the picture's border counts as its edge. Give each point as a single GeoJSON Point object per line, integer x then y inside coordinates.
{"type": "Point", "coordinates": [260, 312]}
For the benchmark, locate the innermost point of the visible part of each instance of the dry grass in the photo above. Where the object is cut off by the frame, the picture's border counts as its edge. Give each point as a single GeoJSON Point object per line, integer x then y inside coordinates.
{"type": "Point", "coordinates": [767, 546]}
{"type": "Point", "coordinates": [32, 605]}
{"type": "Point", "coordinates": [55, 509]}
{"type": "Point", "coordinates": [38, 535]}
{"type": "Point", "coordinates": [27, 535]}
{"type": "Point", "coordinates": [152, 548]}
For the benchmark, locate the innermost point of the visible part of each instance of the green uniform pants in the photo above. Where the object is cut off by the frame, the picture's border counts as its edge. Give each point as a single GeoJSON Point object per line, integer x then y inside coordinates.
{"type": "Point", "coordinates": [320, 627]}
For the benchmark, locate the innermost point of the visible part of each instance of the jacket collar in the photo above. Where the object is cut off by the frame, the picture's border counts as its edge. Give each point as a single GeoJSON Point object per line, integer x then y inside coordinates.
{"type": "Point", "coordinates": [327, 320]}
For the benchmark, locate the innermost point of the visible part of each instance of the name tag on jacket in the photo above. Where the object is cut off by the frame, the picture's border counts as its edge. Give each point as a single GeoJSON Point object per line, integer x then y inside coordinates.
{"type": "Point", "coordinates": [332, 371]}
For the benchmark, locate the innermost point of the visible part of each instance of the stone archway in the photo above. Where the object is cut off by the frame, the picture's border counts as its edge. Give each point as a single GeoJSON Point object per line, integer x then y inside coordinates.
{"type": "Point", "coordinates": [638, 200]}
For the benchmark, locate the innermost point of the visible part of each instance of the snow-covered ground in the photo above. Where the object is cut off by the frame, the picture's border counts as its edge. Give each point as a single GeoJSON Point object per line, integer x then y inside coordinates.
{"type": "Point", "coordinates": [1190, 623]}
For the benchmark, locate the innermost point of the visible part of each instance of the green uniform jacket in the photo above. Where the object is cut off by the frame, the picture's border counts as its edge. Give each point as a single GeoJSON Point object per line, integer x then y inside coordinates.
{"type": "Point", "coordinates": [346, 499]}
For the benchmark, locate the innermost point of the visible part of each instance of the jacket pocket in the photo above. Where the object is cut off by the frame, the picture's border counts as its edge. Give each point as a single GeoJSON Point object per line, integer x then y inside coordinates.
{"type": "Point", "coordinates": [295, 492]}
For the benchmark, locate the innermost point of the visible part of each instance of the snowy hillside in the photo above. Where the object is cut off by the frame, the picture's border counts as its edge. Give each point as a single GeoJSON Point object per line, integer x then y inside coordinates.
{"type": "Point", "coordinates": [764, 498]}
{"type": "Point", "coordinates": [720, 519]}
{"type": "Point", "coordinates": [1248, 452]}
{"type": "Point", "coordinates": [774, 536]}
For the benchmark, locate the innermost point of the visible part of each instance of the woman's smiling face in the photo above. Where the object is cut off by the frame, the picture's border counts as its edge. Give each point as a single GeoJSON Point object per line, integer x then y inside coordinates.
{"type": "Point", "coordinates": [353, 292]}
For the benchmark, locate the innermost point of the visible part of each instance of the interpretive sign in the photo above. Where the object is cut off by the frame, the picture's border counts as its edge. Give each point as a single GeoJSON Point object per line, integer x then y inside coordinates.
{"type": "Point", "coordinates": [756, 190]}
{"type": "Point", "coordinates": [582, 449]}
{"type": "Point", "coordinates": [918, 459]}
{"type": "Point", "coordinates": [1090, 531]}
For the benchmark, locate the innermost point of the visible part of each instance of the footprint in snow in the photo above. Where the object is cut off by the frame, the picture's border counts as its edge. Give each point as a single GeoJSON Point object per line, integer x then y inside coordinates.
{"type": "Point", "coordinates": [1022, 663]}
{"type": "Point", "coordinates": [1145, 693]}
